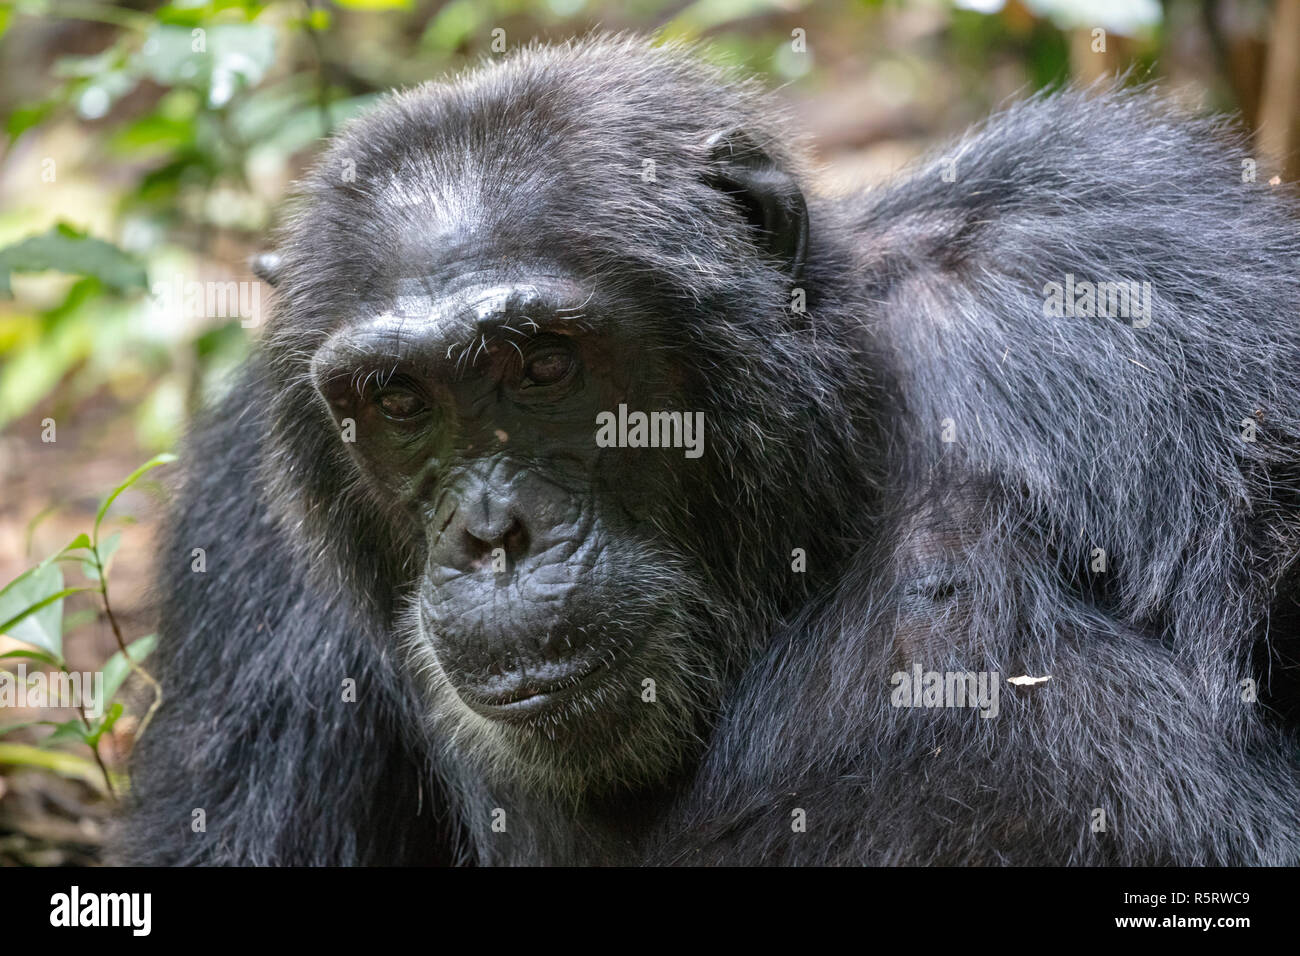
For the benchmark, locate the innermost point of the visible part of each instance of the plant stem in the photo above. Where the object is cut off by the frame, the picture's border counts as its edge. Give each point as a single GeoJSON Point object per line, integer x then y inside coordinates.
{"type": "Point", "coordinates": [108, 781]}
{"type": "Point", "coordinates": [121, 644]}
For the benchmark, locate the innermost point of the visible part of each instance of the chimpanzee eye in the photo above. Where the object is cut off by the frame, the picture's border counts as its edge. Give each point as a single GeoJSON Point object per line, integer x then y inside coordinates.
{"type": "Point", "coordinates": [548, 368]}
{"type": "Point", "coordinates": [399, 404]}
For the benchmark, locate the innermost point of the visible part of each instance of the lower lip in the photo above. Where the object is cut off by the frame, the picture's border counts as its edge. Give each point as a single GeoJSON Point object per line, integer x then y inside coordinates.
{"type": "Point", "coordinates": [539, 703]}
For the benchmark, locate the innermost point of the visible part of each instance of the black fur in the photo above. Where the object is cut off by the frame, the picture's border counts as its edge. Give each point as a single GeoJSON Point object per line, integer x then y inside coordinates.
{"type": "Point", "coordinates": [925, 309]}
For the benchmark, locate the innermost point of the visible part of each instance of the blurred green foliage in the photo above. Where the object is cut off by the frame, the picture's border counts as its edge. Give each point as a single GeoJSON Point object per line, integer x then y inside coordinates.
{"type": "Point", "coordinates": [148, 141]}
{"type": "Point", "coordinates": [31, 612]}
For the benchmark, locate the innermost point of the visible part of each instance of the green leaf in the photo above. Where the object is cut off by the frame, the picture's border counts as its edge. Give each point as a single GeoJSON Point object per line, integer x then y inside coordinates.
{"type": "Point", "coordinates": [30, 572]}
{"type": "Point", "coordinates": [63, 249]}
{"type": "Point", "coordinates": [222, 59]}
{"type": "Point", "coordinates": [165, 458]}
{"type": "Point", "coordinates": [374, 4]}
{"type": "Point", "coordinates": [153, 136]}
{"type": "Point", "coordinates": [304, 125]}
{"type": "Point", "coordinates": [41, 656]}
{"type": "Point", "coordinates": [104, 726]}
{"type": "Point", "coordinates": [71, 729]}
{"type": "Point", "coordinates": [106, 549]}
{"type": "Point", "coordinates": [95, 98]}
{"type": "Point", "coordinates": [31, 608]}
{"type": "Point", "coordinates": [453, 26]}
{"type": "Point", "coordinates": [117, 668]}
{"type": "Point", "coordinates": [318, 19]}
{"type": "Point", "coordinates": [24, 118]}
{"type": "Point", "coordinates": [80, 541]}
{"type": "Point", "coordinates": [197, 12]}
{"type": "Point", "coordinates": [64, 764]}
{"type": "Point", "coordinates": [41, 638]}
{"type": "Point", "coordinates": [11, 728]}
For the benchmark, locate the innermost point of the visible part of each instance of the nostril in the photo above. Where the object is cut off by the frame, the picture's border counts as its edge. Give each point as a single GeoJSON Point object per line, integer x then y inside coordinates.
{"type": "Point", "coordinates": [474, 546]}
{"type": "Point", "coordinates": [514, 541]}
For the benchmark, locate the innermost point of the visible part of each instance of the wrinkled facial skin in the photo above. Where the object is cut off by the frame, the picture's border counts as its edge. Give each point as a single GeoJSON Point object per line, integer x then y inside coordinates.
{"type": "Point", "coordinates": [477, 272]}
{"type": "Point", "coordinates": [548, 595]}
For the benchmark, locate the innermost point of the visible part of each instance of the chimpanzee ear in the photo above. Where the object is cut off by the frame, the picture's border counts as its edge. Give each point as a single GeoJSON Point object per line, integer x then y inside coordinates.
{"type": "Point", "coordinates": [770, 196]}
{"type": "Point", "coordinates": [266, 266]}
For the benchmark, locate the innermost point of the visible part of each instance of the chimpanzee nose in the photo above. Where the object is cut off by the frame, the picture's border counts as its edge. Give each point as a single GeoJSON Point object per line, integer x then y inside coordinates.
{"type": "Point", "coordinates": [486, 532]}
{"type": "Point", "coordinates": [481, 545]}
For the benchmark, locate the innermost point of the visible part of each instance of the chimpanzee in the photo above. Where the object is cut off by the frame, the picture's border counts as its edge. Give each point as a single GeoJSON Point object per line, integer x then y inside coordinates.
{"type": "Point", "coordinates": [599, 493]}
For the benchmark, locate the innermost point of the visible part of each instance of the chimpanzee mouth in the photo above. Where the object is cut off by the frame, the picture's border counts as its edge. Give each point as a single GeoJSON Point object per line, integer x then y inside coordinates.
{"type": "Point", "coordinates": [526, 696]}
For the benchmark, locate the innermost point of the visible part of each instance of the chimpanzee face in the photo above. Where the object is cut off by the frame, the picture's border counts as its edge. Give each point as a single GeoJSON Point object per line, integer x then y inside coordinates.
{"type": "Point", "coordinates": [518, 377]}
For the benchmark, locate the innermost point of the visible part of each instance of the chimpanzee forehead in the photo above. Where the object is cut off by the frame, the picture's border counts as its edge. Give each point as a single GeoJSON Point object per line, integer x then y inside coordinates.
{"type": "Point", "coordinates": [508, 122]}
{"type": "Point", "coordinates": [528, 161]}
{"type": "Point", "coordinates": [430, 204]}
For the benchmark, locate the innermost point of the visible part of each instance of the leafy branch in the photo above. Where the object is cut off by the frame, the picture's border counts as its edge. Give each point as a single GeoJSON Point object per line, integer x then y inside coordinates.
{"type": "Point", "coordinates": [31, 612]}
